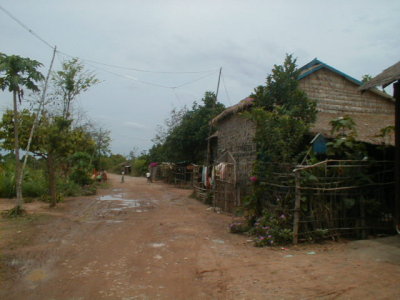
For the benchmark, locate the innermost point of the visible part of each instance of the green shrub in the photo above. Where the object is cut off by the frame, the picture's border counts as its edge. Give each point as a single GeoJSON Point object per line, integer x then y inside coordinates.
{"type": "Point", "coordinates": [140, 167]}
{"type": "Point", "coordinates": [68, 188]}
{"type": "Point", "coordinates": [34, 184]}
{"type": "Point", "coordinates": [7, 180]}
{"type": "Point", "coordinates": [81, 168]}
{"type": "Point", "coordinates": [272, 229]}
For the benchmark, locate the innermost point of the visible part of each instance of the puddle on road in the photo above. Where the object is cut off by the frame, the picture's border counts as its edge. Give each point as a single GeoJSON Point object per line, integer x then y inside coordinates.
{"type": "Point", "coordinates": [157, 245]}
{"type": "Point", "coordinates": [114, 221]}
{"type": "Point", "coordinates": [115, 197]}
{"type": "Point", "coordinates": [125, 203]}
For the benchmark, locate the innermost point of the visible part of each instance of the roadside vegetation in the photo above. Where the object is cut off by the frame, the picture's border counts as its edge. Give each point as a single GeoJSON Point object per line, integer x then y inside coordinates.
{"type": "Point", "coordinates": [60, 150]}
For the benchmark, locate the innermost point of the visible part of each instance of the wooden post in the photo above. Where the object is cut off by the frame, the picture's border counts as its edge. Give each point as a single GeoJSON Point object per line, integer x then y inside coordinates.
{"type": "Point", "coordinates": [396, 95]}
{"type": "Point", "coordinates": [297, 203]}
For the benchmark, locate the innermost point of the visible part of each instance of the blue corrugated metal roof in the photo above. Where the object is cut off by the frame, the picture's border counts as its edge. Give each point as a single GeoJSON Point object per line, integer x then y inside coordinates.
{"type": "Point", "coordinates": [316, 65]}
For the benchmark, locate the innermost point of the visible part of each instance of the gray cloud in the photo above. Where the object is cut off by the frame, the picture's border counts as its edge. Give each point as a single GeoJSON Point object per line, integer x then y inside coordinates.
{"type": "Point", "coordinates": [246, 38]}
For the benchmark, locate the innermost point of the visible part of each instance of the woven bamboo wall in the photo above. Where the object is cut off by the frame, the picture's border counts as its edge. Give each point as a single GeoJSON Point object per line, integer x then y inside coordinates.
{"type": "Point", "coordinates": [335, 94]}
{"type": "Point", "coordinates": [236, 134]}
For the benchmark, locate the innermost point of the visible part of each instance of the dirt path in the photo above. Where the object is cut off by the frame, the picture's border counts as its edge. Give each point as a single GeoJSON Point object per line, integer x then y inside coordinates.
{"type": "Point", "coordinates": [151, 241]}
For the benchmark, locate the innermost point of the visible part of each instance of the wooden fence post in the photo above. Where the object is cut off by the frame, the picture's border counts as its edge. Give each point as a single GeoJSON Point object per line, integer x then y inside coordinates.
{"type": "Point", "coordinates": [297, 203]}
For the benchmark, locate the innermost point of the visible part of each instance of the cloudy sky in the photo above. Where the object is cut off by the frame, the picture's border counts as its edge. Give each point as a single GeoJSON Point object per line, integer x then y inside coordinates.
{"type": "Point", "coordinates": [152, 56]}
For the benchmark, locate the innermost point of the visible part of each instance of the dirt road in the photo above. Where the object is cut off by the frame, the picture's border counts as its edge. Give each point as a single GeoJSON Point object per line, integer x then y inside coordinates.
{"type": "Point", "coordinates": [151, 241]}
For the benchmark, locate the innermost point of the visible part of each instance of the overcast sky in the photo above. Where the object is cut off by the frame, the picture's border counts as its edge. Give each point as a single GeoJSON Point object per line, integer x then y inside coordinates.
{"type": "Point", "coordinates": [245, 38]}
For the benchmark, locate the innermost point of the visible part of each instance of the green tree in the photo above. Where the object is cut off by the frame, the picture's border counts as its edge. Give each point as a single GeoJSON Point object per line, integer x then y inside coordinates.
{"type": "Point", "coordinates": [17, 73]}
{"type": "Point", "coordinates": [54, 141]}
{"type": "Point", "coordinates": [102, 140]}
{"type": "Point", "coordinates": [68, 84]}
{"type": "Point", "coordinates": [282, 95]}
{"type": "Point", "coordinates": [56, 138]}
{"type": "Point", "coordinates": [344, 145]}
{"type": "Point", "coordinates": [71, 81]}
{"type": "Point", "coordinates": [283, 115]}
{"type": "Point", "coordinates": [186, 139]}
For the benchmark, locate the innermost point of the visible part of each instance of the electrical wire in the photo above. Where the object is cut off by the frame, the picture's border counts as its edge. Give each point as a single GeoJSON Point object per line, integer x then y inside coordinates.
{"type": "Point", "coordinates": [176, 96]}
{"type": "Point", "coordinates": [94, 61]}
{"type": "Point", "coordinates": [91, 62]}
{"type": "Point", "coordinates": [139, 70]}
{"type": "Point", "coordinates": [26, 27]}
{"type": "Point", "coordinates": [226, 90]}
{"type": "Point", "coordinates": [151, 83]}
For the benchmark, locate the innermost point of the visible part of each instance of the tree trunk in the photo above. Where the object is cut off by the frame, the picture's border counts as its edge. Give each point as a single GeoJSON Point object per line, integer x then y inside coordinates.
{"type": "Point", "coordinates": [51, 168]}
{"type": "Point", "coordinates": [18, 169]}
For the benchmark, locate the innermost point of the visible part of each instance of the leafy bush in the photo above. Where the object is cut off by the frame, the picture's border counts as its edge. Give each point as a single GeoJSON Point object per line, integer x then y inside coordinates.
{"type": "Point", "coordinates": [271, 229]}
{"type": "Point", "coordinates": [68, 188]}
{"type": "Point", "coordinates": [139, 167]}
{"type": "Point", "coordinates": [34, 184]}
{"type": "Point", "coordinates": [7, 181]}
{"type": "Point", "coordinates": [81, 168]}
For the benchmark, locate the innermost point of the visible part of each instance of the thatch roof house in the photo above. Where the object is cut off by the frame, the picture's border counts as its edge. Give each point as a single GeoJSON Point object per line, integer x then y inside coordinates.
{"type": "Point", "coordinates": [336, 94]}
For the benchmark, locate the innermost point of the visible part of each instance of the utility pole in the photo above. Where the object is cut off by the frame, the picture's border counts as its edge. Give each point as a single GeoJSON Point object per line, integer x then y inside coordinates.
{"type": "Point", "coordinates": [219, 80]}
{"type": "Point", "coordinates": [210, 129]}
{"type": "Point", "coordinates": [36, 120]}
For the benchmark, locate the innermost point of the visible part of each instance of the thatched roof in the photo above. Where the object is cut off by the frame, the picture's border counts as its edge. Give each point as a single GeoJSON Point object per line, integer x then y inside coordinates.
{"type": "Point", "coordinates": [241, 106]}
{"type": "Point", "coordinates": [368, 127]}
{"type": "Point", "coordinates": [385, 78]}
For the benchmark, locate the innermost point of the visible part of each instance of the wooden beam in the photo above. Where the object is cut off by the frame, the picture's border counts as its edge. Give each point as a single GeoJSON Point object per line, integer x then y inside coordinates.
{"type": "Point", "coordinates": [396, 95]}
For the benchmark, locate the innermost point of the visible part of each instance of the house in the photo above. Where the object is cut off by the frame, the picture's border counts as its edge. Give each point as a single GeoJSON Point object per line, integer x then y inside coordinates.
{"type": "Point", "coordinates": [336, 94]}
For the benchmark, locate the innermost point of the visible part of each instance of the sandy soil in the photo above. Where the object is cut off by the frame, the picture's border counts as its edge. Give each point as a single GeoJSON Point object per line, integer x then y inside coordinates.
{"type": "Point", "coordinates": [151, 241]}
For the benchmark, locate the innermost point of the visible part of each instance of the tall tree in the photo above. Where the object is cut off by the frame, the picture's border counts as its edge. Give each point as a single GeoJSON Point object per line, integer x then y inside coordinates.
{"type": "Point", "coordinates": [186, 139]}
{"type": "Point", "coordinates": [17, 73]}
{"type": "Point", "coordinates": [68, 84]}
{"type": "Point", "coordinates": [71, 81]}
{"type": "Point", "coordinates": [283, 115]}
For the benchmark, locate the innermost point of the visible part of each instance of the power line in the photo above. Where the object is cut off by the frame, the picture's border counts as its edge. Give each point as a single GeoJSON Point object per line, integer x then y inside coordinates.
{"type": "Point", "coordinates": [192, 81]}
{"type": "Point", "coordinates": [151, 83]}
{"type": "Point", "coordinates": [226, 90]}
{"type": "Point", "coordinates": [93, 61]}
{"type": "Point", "coordinates": [115, 66]}
{"type": "Point", "coordinates": [26, 27]}
{"type": "Point", "coordinates": [139, 70]}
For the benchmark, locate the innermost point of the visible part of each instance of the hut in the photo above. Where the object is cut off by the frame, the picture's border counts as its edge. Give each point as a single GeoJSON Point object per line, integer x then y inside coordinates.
{"type": "Point", "coordinates": [336, 94]}
{"type": "Point", "coordinates": [236, 151]}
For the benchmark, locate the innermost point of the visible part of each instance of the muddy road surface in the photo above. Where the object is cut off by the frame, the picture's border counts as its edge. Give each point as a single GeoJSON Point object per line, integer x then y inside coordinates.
{"type": "Point", "coordinates": [152, 241]}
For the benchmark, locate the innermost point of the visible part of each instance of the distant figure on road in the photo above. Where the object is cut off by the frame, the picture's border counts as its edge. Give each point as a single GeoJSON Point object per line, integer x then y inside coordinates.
{"type": "Point", "coordinates": [152, 169]}
{"type": "Point", "coordinates": [148, 176]}
{"type": "Point", "coordinates": [122, 177]}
